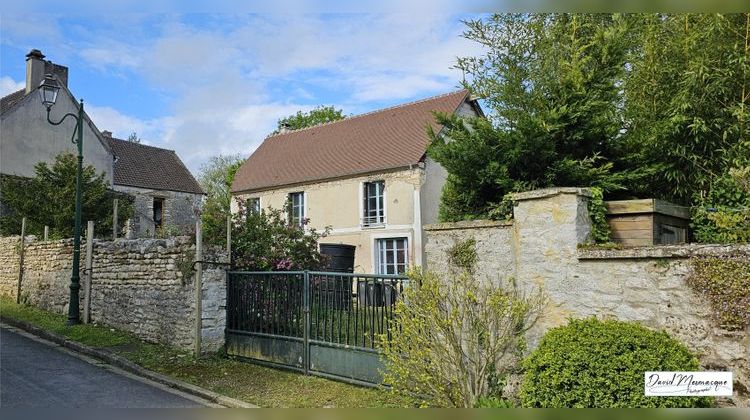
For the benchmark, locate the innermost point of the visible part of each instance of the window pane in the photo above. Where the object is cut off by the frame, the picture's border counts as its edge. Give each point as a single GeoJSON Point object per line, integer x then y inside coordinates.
{"type": "Point", "coordinates": [392, 256]}
{"type": "Point", "coordinates": [253, 204]}
{"type": "Point", "coordinates": [297, 205]}
{"type": "Point", "coordinates": [373, 202]}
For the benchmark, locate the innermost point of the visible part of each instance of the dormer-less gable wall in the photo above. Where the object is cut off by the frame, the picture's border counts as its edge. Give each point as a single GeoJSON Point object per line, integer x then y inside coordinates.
{"type": "Point", "coordinates": [27, 137]}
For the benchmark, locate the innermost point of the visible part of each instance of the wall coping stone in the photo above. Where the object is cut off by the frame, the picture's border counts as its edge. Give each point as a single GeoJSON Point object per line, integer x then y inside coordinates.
{"type": "Point", "coordinates": [549, 192]}
{"type": "Point", "coordinates": [469, 224]}
{"type": "Point", "coordinates": [664, 251]}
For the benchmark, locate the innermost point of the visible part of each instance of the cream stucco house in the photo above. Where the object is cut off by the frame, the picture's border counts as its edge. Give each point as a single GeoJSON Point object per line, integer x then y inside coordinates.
{"type": "Point", "coordinates": [367, 177]}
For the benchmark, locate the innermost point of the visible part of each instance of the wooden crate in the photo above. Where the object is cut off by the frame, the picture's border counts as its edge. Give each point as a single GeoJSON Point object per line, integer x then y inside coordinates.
{"type": "Point", "coordinates": [648, 222]}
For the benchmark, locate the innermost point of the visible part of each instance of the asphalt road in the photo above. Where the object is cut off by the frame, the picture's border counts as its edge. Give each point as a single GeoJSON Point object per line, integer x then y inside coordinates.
{"type": "Point", "coordinates": [35, 374]}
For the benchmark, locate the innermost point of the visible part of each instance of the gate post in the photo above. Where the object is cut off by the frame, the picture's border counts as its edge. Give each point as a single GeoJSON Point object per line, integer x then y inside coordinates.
{"type": "Point", "coordinates": [306, 310]}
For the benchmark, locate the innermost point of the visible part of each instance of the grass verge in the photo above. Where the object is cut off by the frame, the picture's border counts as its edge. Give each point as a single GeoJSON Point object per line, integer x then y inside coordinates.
{"type": "Point", "coordinates": [251, 383]}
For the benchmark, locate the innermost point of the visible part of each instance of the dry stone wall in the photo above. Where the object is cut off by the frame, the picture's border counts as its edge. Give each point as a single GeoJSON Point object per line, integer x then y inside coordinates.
{"type": "Point", "coordinates": [540, 249]}
{"type": "Point", "coordinates": [144, 286]}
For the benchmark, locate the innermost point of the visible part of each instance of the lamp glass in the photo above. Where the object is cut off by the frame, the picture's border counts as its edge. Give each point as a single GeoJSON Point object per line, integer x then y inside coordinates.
{"type": "Point", "coordinates": [48, 90]}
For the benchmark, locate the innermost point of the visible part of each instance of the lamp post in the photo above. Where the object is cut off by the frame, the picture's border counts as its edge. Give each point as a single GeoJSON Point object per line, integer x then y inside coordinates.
{"type": "Point", "coordinates": [48, 91]}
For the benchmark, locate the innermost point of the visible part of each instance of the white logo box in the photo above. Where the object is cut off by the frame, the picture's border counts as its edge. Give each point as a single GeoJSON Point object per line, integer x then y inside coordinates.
{"type": "Point", "coordinates": [688, 384]}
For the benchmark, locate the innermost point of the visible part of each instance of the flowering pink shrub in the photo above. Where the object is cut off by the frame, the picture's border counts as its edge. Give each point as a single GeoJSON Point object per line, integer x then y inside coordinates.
{"type": "Point", "coordinates": [266, 241]}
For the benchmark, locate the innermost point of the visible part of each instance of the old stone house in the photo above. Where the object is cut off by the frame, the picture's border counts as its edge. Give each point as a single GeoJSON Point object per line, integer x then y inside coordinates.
{"type": "Point", "coordinates": [367, 177]}
{"type": "Point", "coordinates": [165, 192]}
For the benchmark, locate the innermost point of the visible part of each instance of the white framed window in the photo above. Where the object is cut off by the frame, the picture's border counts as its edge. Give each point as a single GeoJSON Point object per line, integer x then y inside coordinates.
{"type": "Point", "coordinates": [373, 205]}
{"type": "Point", "coordinates": [392, 255]}
{"type": "Point", "coordinates": [296, 208]}
{"type": "Point", "coordinates": [253, 204]}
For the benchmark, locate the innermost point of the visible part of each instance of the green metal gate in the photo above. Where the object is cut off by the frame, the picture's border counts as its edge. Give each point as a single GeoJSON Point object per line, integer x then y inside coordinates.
{"type": "Point", "coordinates": [321, 323]}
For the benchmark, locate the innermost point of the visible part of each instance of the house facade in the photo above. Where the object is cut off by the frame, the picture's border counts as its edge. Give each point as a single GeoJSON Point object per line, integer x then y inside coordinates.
{"type": "Point", "coordinates": [366, 177]}
{"type": "Point", "coordinates": [165, 192]}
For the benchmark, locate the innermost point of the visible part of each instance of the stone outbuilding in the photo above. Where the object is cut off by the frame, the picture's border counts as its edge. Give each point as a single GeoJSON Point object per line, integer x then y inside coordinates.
{"type": "Point", "coordinates": [167, 196]}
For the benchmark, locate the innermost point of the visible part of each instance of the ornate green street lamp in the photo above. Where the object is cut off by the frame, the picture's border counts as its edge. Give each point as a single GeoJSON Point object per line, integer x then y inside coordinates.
{"type": "Point", "coordinates": [48, 91]}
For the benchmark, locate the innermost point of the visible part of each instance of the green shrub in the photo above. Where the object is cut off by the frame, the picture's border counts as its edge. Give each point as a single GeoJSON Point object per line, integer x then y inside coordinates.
{"type": "Point", "coordinates": [600, 231]}
{"type": "Point", "coordinates": [454, 340]}
{"type": "Point", "coordinates": [592, 363]}
{"type": "Point", "coordinates": [48, 199]}
{"type": "Point", "coordinates": [723, 214]}
{"type": "Point", "coordinates": [267, 241]}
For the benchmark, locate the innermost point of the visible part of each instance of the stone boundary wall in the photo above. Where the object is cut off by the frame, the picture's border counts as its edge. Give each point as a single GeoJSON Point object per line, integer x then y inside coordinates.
{"type": "Point", "coordinates": [143, 286]}
{"type": "Point", "coordinates": [541, 249]}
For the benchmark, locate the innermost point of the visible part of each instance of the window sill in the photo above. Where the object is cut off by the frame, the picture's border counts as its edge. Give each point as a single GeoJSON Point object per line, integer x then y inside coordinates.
{"type": "Point", "coordinates": [373, 226]}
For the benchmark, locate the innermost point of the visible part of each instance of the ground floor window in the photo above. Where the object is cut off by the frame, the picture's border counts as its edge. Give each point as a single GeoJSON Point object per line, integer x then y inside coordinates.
{"type": "Point", "coordinates": [392, 255]}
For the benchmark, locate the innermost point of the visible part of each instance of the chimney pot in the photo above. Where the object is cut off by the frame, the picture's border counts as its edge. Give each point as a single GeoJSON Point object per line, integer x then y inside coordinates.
{"type": "Point", "coordinates": [35, 54]}
{"type": "Point", "coordinates": [107, 134]}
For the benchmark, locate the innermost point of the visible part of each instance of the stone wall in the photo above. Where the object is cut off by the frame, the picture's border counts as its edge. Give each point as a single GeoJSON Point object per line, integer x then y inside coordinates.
{"type": "Point", "coordinates": [144, 286]}
{"type": "Point", "coordinates": [179, 210]}
{"type": "Point", "coordinates": [540, 249]}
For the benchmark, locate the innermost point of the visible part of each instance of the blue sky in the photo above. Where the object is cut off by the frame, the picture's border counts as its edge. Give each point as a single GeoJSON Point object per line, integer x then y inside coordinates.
{"type": "Point", "coordinates": [204, 84]}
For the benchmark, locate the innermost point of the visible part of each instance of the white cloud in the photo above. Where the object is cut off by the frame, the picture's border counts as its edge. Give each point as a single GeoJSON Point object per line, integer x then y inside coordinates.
{"type": "Point", "coordinates": [196, 136]}
{"type": "Point", "coordinates": [8, 85]}
{"type": "Point", "coordinates": [219, 74]}
{"type": "Point", "coordinates": [114, 55]}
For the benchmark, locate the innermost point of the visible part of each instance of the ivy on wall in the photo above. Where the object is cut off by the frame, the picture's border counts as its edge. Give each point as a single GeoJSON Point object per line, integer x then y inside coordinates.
{"type": "Point", "coordinates": [725, 281]}
{"type": "Point", "coordinates": [600, 231]}
{"type": "Point", "coordinates": [463, 255]}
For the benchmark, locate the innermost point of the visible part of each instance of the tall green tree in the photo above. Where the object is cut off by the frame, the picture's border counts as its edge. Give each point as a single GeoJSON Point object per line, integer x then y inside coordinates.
{"type": "Point", "coordinates": [686, 102]}
{"type": "Point", "coordinates": [642, 105]}
{"type": "Point", "coordinates": [550, 84]}
{"type": "Point", "coordinates": [48, 199]}
{"type": "Point", "coordinates": [216, 178]}
{"type": "Point", "coordinates": [318, 115]}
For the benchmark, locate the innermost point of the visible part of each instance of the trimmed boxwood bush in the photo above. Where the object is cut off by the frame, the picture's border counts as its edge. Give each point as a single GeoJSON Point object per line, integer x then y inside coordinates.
{"type": "Point", "coordinates": [593, 363]}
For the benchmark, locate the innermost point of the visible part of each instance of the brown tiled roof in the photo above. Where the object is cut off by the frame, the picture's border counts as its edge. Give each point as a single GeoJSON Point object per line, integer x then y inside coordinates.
{"type": "Point", "coordinates": [8, 101]}
{"type": "Point", "coordinates": [390, 138]}
{"type": "Point", "coordinates": [151, 167]}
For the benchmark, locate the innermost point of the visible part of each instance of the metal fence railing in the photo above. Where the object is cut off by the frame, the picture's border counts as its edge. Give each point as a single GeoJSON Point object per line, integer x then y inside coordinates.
{"type": "Point", "coordinates": [282, 317]}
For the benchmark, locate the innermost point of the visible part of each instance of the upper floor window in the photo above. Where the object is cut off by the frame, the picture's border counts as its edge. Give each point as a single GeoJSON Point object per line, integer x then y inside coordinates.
{"type": "Point", "coordinates": [253, 205]}
{"type": "Point", "coordinates": [296, 208]}
{"type": "Point", "coordinates": [374, 203]}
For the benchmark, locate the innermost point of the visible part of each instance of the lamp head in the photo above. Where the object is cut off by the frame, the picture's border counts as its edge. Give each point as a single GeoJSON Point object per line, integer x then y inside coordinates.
{"type": "Point", "coordinates": [48, 90]}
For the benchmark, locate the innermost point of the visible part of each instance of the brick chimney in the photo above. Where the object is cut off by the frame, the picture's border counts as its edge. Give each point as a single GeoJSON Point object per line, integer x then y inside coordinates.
{"type": "Point", "coordinates": [37, 68]}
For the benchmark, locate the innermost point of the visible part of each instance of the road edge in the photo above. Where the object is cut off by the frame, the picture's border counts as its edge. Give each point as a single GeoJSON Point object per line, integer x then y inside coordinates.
{"type": "Point", "coordinates": [127, 365]}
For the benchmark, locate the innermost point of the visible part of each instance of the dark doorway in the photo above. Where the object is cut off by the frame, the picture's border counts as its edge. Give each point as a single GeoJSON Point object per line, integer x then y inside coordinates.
{"type": "Point", "coordinates": [158, 212]}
